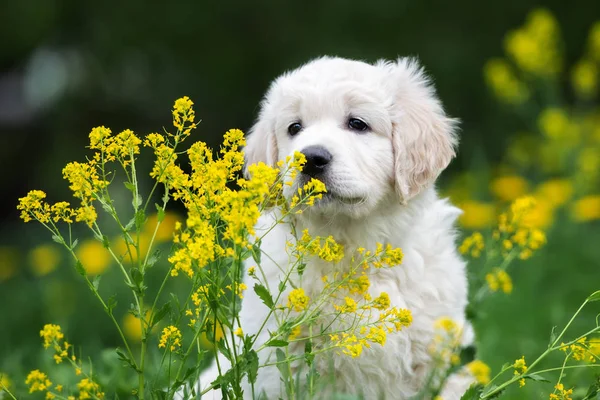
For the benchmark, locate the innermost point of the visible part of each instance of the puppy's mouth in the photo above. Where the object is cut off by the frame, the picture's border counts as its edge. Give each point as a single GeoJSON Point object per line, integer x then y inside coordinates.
{"type": "Point", "coordinates": [350, 200]}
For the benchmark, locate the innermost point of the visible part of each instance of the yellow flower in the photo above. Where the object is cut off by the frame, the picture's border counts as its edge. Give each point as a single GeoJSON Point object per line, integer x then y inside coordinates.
{"type": "Point", "coordinates": [89, 389]}
{"type": "Point", "coordinates": [499, 279]}
{"type": "Point", "coordinates": [382, 302]}
{"type": "Point", "coordinates": [584, 78]}
{"type": "Point", "coordinates": [560, 393]}
{"type": "Point", "coordinates": [534, 47]}
{"type": "Point", "coordinates": [165, 230]}
{"type": "Point", "coordinates": [9, 258]}
{"type": "Point", "coordinates": [586, 209]}
{"type": "Point", "coordinates": [556, 192]}
{"type": "Point", "coordinates": [51, 334]}
{"type": "Point", "coordinates": [554, 123]}
{"type": "Point", "coordinates": [183, 116]}
{"type": "Point", "coordinates": [93, 256]}
{"type": "Point", "coordinates": [298, 300]}
{"type": "Point", "coordinates": [594, 41]}
{"type": "Point", "coordinates": [295, 333]}
{"type": "Point", "coordinates": [348, 307]}
{"type": "Point", "coordinates": [239, 332]}
{"type": "Point", "coordinates": [473, 245]}
{"type": "Point", "coordinates": [477, 215]}
{"type": "Point", "coordinates": [33, 206]}
{"type": "Point", "coordinates": [171, 338]}
{"type": "Point", "coordinates": [132, 327]}
{"type": "Point", "coordinates": [480, 371]}
{"type": "Point", "coordinates": [44, 259]}
{"type": "Point", "coordinates": [509, 188]}
{"type": "Point", "coordinates": [4, 381]}
{"type": "Point", "coordinates": [501, 78]}
{"type": "Point", "coordinates": [38, 381]}
{"type": "Point", "coordinates": [520, 366]}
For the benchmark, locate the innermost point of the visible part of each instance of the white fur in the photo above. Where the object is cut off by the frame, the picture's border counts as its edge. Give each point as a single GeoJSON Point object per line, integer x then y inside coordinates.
{"type": "Point", "coordinates": [381, 190]}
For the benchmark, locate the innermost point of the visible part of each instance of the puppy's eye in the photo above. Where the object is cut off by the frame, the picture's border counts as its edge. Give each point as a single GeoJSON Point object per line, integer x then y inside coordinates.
{"type": "Point", "coordinates": [294, 128]}
{"type": "Point", "coordinates": [357, 125]}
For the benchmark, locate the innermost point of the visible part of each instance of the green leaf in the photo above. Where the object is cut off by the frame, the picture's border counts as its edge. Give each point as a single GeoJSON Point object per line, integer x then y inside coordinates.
{"type": "Point", "coordinates": [125, 358]}
{"type": "Point", "coordinates": [594, 296]}
{"type": "Point", "coordinates": [160, 314]}
{"type": "Point", "coordinates": [57, 239]}
{"type": "Point", "coordinates": [137, 201]}
{"type": "Point", "coordinates": [140, 219]}
{"type": "Point", "coordinates": [96, 282]}
{"type": "Point", "coordinates": [552, 336]}
{"type": "Point", "coordinates": [74, 244]}
{"type": "Point", "coordinates": [281, 364]}
{"type": "Point", "coordinates": [490, 389]}
{"type": "Point", "coordinates": [593, 392]}
{"type": "Point", "coordinates": [301, 268]}
{"type": "Point", "coordinates": [472, 393]}
{"type": "Point", "coordinates": [153, 259]}
{"type": "Point", "coordinates": [256, 253]}
{"type": "Point", "coordinates": [105, 242]}
{"type": "Point", "coordinates": [79, 268]}
{"type": "Point", "coordinates": [536, 377]}
{"type": "Point", "coordinates": [282, 287]}
{"type": "Point", "coordinates": [160, 213]}
{"type": "Point", "coordinates": [130, 224]}
{"type": "Point", "coordinates": [277, 343]}
{"type": "Point", "coordinates": [111, 304]}
{"type": "Point", "coordinates": [308, 355]}
{"type": "Point", "coordinates": [264, 295]}
{"type": "Point", "coordinates": [252, 359]}
{"type": "Point", "coordinates": [130, 186]}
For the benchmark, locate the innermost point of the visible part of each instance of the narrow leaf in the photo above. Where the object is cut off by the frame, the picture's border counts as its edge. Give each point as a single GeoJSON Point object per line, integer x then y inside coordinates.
{"type": "Point", "coordinates": [277, 343]}
{"type": "Point", "coordinates": [594, 296]}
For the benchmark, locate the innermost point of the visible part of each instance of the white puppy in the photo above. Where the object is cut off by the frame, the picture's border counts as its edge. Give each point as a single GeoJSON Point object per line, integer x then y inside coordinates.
{"type": "Point", "coordinates": [378, 137]}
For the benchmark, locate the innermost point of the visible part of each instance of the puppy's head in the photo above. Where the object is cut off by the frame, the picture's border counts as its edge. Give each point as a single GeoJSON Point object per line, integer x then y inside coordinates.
{"type": "Point", "coordinates": [369, 132]}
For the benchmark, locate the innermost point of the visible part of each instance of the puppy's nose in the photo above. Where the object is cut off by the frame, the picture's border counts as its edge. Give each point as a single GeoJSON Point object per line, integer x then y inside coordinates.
{"type": "Point", "coordinates": [317, 158]}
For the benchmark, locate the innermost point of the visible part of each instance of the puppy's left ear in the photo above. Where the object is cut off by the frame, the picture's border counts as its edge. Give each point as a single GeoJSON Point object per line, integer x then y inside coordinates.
{"type": "Point", "coordinates": [424, 138]}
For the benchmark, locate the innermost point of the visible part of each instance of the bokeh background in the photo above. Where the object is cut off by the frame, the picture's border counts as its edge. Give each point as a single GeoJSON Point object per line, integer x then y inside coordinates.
{"type": "Point", "coordinates": [525, 86]}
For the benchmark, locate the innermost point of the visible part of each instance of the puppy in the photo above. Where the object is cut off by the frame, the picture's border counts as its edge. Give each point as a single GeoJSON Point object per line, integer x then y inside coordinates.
{"type": "Point", "coordinates": [378, 137]}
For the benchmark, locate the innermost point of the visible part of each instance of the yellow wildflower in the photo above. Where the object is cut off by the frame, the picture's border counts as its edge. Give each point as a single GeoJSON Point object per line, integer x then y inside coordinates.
{"type": "Point", "coordinates": [473, 245]}
{"type": "Point", "coordinates": [586, 208]}
{"type": "Point", "coordinates": [132, 327]}
{"type": "Point", "coordinates": [556, 192]}
{"type": "Point", "coordinates": [33, 206]}
{"type": "Point", "coordinates": [93, 256]}
{"type": "Point", "coordinates": [382, 302]}
{"type": "Point", "coordinates": [44, 259]}
{"type": "Point", "coordinates": [477, 215]}
{"type": "Point", "coordinates": [4, 381]}
{"type": "Point", "coordinates": [37, 381]}
{"type": "Point", "coordinates": [51, 334]}
{"type": "Point", "coordinates": [171, 338]}
{"type": "Point", "coordinates": [183, 116]}
{"type": "Point", "coordinates": [480, 371]}
{"type": "Point", "coordinates": [584, 78]}
{"type": "Point", "coordinates": [239, 332]}
{"type": "Point", "coordinates": [501, 78]}
{"type": "Point", "coordinates": [89, 389]}
{"type": "Point", "coordinates": [298, 300]}
{"type": "Point", "coordinates": [509, 188]}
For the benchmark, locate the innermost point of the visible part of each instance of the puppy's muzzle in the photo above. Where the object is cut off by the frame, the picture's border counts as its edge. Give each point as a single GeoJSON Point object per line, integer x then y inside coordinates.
{"type": "Point", "coordinates": [317, 160]}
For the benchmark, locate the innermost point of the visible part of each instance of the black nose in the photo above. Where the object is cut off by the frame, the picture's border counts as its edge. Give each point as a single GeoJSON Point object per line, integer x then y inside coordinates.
{"type": "Point", "coordinates": [317, 158]}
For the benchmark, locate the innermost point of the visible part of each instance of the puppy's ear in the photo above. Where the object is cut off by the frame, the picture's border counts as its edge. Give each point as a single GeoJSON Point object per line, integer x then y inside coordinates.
{"type": "Point", "coordinates": [261, 143]}
{"type": "Point", "coordinates": [424, 138]}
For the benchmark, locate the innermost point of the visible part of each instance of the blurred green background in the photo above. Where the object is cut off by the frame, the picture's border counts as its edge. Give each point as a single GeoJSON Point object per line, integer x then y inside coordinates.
{"type": "Point", "coordinates": [67, 66]}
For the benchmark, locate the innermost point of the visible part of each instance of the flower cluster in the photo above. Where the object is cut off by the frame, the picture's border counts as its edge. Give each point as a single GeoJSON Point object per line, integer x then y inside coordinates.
{"type": "Point", "coordinates": [498, 279]}
{"type": "Point", "coordinates": [520, 367]}
{"type": "Point", "coordinates": [170, 338]}
{"type": "Point", "coordinates": [515, 230]}
{"type": "Point", "coordinates": [298, 300]}
{"type": "Point", "coordinates": [473, 245]}
{"type": "Point", "coordinates": [560, 393]}
{"type": "Point", "coordinates": [326, 249]}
